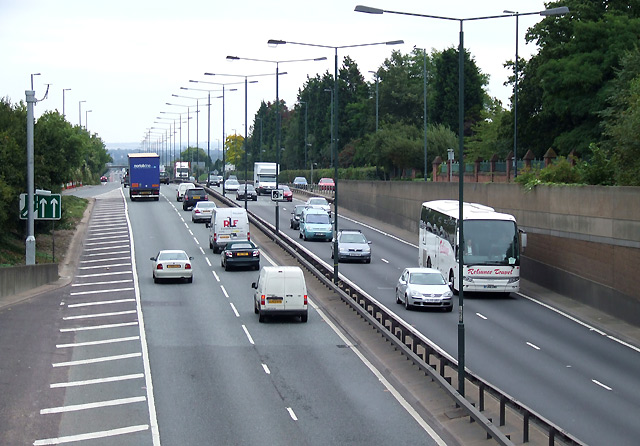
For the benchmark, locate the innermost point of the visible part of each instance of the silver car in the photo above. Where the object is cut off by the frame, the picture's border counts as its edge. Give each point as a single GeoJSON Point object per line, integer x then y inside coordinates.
{"type": "Point", "coordinates": [202, 211]}
{"type": "Point", "coordinates": [172, 264]}
{"type": "Point", "coordinates": [319, 203]}
{"type": "Point", "coordinates": [423, 287]}
{"type": "Point", "coordinates": [352, 245]}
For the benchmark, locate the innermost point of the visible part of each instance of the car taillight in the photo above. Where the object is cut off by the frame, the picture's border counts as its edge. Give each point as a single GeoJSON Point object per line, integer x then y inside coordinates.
{"type": "Point", "coordinates": [256, 253]}
{"type": "Point", "coordinates": [215, 237]}
{"type": "Point", "coordinates": [187, 266]}
{"type": "Point", "coordinates": [305, 299]}
{"type": "Point", "coordinates": [262, 300]}
{"type": "Point", "coordinates": [228, 253]}
{"type": "Point", "coordinates": [248, 236]}
{"type": "Point", "coordinates": [196, 211]}
{"type": "Point", "coordinates": [159, 266]}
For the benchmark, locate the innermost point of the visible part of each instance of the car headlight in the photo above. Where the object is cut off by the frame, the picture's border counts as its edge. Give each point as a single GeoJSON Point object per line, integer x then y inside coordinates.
{"type": "Point", "coordinates": [414, 293]}
{"type": "Point", "coordinates": [447, 295]}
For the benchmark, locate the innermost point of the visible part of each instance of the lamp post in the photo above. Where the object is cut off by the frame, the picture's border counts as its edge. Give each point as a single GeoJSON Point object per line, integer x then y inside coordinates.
{"type": "Point", "coordinates": [188, 127]}
{"type": "Point", "coordinates": [278, 117]}
{"type": "Point", "coordinates": [80, 113]}
{"type": "Point", "coordinates": [332, 142]}
{"type": "Point", "coordinates": [86, 119]}
{"type": "Point", "coordinates": [179, 130]}
{"type": "Point", "coordinates": [461, 240]}
{"type": "Point", "coordinates": [306, 120]}
{"type": "Point", "coordinates": [63, 90]}
{"type": "Point", "coordinates": [335, 131]}
{"type": "Point", "coordinates": [33, 74]}
{"type": "Point", "coordinates": [197, 125]}
{"type": "Point", "coordinates": [424, 113]}
{"type": "Point", "coordinates": [546, 12]}
{"type": "Point", "coordinates": [377, 76]}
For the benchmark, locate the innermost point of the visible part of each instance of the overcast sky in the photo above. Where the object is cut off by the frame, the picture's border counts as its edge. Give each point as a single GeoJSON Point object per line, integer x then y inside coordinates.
{"type": "Point", "coordinates": [127, 58]}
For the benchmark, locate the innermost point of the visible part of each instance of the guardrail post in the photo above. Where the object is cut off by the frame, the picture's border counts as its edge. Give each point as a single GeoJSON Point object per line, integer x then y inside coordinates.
{"type": "Point", "coordinates": [525, 428]}
{"type": "Point", "coordinates": [552, 436]}
{"type": "Point", "coordinates": [481, 397]}
{"type": "Point", "coordinates": [502, 410]}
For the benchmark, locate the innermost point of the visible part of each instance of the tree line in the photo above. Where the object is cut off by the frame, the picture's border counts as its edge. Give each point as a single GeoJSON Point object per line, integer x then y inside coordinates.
{"type": "Point", "coordinates": [578, 95]}
{"type": "Point", "coordinates": [62, 153]}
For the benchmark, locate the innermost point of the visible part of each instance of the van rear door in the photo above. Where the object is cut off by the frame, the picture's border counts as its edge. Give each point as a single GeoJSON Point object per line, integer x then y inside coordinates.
{"type": "Point", "coordinates": [274, 289]}
{"type": "Point", "coordinates": [295, 291]}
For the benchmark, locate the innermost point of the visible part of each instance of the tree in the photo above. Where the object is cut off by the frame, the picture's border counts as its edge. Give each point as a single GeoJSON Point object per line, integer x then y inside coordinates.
{"type": "Point", "coordinates": [235, 149]}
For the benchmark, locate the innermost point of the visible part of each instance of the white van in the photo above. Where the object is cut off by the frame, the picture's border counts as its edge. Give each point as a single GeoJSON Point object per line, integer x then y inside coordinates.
{"type": "Point", "coordinates": [226, 225]}
{"type": "Point", "coordinates": [280, 290]}
{"type": "Point", "coordinates": [182, 189]}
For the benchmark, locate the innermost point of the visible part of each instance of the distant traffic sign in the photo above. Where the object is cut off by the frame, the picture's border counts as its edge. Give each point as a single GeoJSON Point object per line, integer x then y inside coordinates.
{"type": "Point", "coordinates": [45, 207]}
{"type": "Point", "coordinates": [277, 195]}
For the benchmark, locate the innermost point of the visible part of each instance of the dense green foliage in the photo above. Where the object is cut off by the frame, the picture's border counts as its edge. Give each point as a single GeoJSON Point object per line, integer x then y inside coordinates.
{"type": "Point", "coordinates": [62, 153]}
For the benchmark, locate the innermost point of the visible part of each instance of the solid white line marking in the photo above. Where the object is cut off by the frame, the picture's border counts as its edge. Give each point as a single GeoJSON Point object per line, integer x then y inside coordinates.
{"type": "Point", "coordinates": [91, 435]}
{"type": "Point", "coordinates": [481, 316]}
{"type": "Point", "coordinates": [385, 260]}
{"type": "Point", "coordinates": [98, 327]}
{"type": "Point", "coordinates": [292, 413]}
{"type": "Point", "coordinates": [105, 254]}
{"type": "Point", "coordinates": [102, 239]}
{"type": "Point", "coordinates": [101, 302]}
{"type": "Point", "coordinates": [104, 341]}
{"type": "Point", "coordinates": [96, 360]}
{"type": "Point", "coordinates": [100, 291]}
{"type": "Point", "coordinates": [602, 385]}
{"type": "Point", "coordinates": [108, 403]}
{"type": "Point", "coordinates": [102, 283]}
{"type": "Point", "coordinates": [106, 274]}
{"type": "Point", "coordinates": [89, 382]}
{"type": "Point", "coordinates": [105, 266]}
{"type": "Point", "coordinates": [90, 316]}
{"type": "Point", "coordinates": [109, 247]}
{"type": "Point", "coordinates": [224, 291]}
{"type": "Point", "coordinates": [104, 260]}
{"type": "Point", "coordinates": [533, 346]}
{"type": "Point", "coordinates": [103, 243]}
{"type": "Point", "coordinates": [244, 327]}
{"type": "Point", "coordinates": [266, 369]}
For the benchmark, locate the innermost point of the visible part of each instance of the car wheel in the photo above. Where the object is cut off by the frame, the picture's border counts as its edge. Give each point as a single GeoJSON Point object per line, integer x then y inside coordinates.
{"type": "Point", "coordinates": [299, 234]}
{"type": "Point", "coordinates": [304, 317]}
{"type": "Point", "coordinates": [190, 279]}
{"type": "Point", "coordinates": [155, 279]}
{"type": "Point", "coordinates": [257, 267]}
{"type": "Point", "coordinates": [255, 198]}
{"type": "Point", "coordinates": [260, 316]}
{"type": "Point", "coordinates": [210, 244]}
{"type": "Point", "coordinates": [226, 267]}
{"type": "Point", "coordinates": [406, 303]}
{"type": "Point", "coordinates": [367, 261]}
{"type": "Point", "coordinates": [332, 253]}
{"type": "Point", "coordinates": [255, 307]}
{"type": "Point", "coordinates": [449, 309]}
{"type": "Point", "coordinates": [398, 301]}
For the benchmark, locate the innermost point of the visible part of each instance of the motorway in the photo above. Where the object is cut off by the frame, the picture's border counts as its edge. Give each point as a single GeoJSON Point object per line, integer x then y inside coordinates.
{"type": "Point", "coordinates": [198, 368]}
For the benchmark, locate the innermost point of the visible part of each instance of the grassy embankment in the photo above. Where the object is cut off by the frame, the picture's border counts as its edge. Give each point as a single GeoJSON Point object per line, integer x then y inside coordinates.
{"type": "Point", "coordinates": [51, 236]}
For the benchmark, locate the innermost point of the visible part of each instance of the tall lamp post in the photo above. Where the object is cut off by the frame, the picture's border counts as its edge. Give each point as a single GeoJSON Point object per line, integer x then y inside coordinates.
{"type": "Point", "coordinates": [332, 142]}
{"type": "Point", "coordinates": [306, 121]}
{"type": "Point", "coordinates": [86, 119]}
{"type": "Point", "coordinates": [278, 117]}
{"type": "Point", "coordinates": [188, 129]}
{"type": "Point", "coordinates": [224, 89]}
{"type": "Point", "coordinates": [197, 125]}
{"type": "Point", "coordinates": [461, 344]}
{"type": "Point", "coordinates": [80, 113]}
{"type": "Point", "coordinates": [335, 127]}
{"type": "Point", "coordinates": [424, 113]}
{"type": "Point", "coordinates": [377, 76]}
{"type": "Point", "coordinates": [63, 90]}
{"type": "Point", "coordinates": [546, 12]}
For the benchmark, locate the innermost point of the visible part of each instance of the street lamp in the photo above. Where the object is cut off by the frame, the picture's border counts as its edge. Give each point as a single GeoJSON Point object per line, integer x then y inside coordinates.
{"type": "Point", "coordinates": [223, 134]}
{"type": "Point", "coordinates": [546, 12]}
{"type": "Point", "coordinates": [335, 126]}
{"type": "Point", "coordinates": [306, 120]}
{"type": "Point", "coordinates": [63, 90]}
{"type": "Point", "coordinates": [188, 127]}
{"type": "Point", "coordinates": [180, 130]}
{"type": "Point", "coordinates": [86, 119]}
{"type": "Point", "coordinates": [377, 75]}
{"type": "Point", "coordinates": [33, 74]}
{"type": "Point", "coordinates": [278, 117]}
{"type": "Point", "coordinates": [80, 113]}
{"type": "Point", "coordinates": [330, 90]}
{"type": "Point", "coordinates": [424, 113]}
{"type": "Point", "coordinates": [197, 125]}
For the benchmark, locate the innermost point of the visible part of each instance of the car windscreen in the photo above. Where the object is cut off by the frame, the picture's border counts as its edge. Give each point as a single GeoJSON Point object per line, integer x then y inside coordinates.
{"type": "Point", "coordinates": [426, 279]}
{"type": "Point", "coordinates": [318, 201]}
{"type": "Point", "coordinates": [173, 256]}
{"type": "Point", "coordinates": [318, 219]}
{"type": "Point", "coordinates": [239, 246]}
{"type": "Point", "coordinates": [353, 238]}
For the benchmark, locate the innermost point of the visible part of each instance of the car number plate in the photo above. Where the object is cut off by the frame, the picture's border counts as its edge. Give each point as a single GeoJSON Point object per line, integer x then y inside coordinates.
{"type": "Point", "coordinates": [242, 254]}
{"type": "Point", "coordinates": [490, 286]}
{"type": "Point", "coordinates": [173, 266]}
{"type": "Point", "coordinates": [274, 301]}
{"type": "Point", "coordinates": [432, 300]}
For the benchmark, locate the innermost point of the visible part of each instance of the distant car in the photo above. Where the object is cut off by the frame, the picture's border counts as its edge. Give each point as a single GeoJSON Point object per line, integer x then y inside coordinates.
{"type": "Point", "coordinates": [319, 203]}
{"type": "Point", "coordinates": [164, 177]}
{"type": "Point", "coordinates": [287, 194]}
{"type": "Point", "coordinates": [182, 188]}
{"type": "Point", "coordinates": [215, 180]}
{"type": "Point", "coordinates": [231, 185]}
{"type": "Point", "coordinates": [300, 182]}
{"type": "Point", "coordinates": [103, 179]}
{"type": "Point", "coordinates": [241, 253]}
{"type": "Point", "coordinates": [295, 216]}
{"type": "Point", "coordinates": [352, 245]}
{"type": "Point", "coordinates": [423, 287]}
{"type": "Point", "coordinates": [125, 179]}
{"type": "Point", "coordinates": [326, 184]}
{"type": "Point", "coordinates": [202, 211]}
{"type": "Point", "coordinates": [232, 177]}
{"type": "Point", "coordinates": [315, 224]}
{"type": "Point", "coordinates": [172, 264]}
{"type": "Point", "coordinates": [192, 196]}
{"type": "Point", "coordinates": [250, 192]}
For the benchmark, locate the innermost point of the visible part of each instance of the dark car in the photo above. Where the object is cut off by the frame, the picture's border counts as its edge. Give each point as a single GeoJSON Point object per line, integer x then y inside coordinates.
{"type": "Point", "coordinates": [214, 180]}
{"type": "Point", "coordinates": [192, 196]}
{"type": "Point", "coordinates": [295, 216]}
{"type": "Point", "coordinates": [164, 177]}
{"type": "Point", "coordinates": [250, 192]}
{"type": "Point", "coordinates": [240, 253]}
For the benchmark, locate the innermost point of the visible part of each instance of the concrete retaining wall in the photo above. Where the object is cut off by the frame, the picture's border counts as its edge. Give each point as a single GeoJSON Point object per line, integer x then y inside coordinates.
{"type": "Point", "coordinates": [583, 242]}
{"type": "Point", "coordinates": [17, 279]}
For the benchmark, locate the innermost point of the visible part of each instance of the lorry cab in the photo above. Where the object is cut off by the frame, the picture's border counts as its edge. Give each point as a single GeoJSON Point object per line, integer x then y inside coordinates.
{"type": "Point", "coordinates": [280, 290]}
{"type": "Point", "coordinates": [227, 225]}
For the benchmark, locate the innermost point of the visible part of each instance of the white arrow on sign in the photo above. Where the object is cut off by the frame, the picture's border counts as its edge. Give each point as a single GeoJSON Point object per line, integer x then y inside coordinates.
{"type": "Point", "coordinates": [43, 205]}
{"type": "Point", "coordinates": [54, 202]}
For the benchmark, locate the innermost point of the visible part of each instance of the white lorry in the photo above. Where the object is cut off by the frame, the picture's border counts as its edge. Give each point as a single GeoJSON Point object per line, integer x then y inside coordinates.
{"type": "Point", "coordinates": [264, 177]}
{"type": "Point", "coordinates": [181, 171]}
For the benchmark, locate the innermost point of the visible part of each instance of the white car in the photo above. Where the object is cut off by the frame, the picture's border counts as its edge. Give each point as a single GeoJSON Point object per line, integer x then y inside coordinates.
{"type": "Point", "coordinates": [202, 211]}
{"type": "Point", "coordinates": [319, 203]}
{"type": "Point", "coordinates": [231, 185]}
{"type": "Point", "coordinates": [424, 287]}
{"type": "Point", "coordinates": [172, 264]}
{"type": "Point", "coordinates": [182, 189]}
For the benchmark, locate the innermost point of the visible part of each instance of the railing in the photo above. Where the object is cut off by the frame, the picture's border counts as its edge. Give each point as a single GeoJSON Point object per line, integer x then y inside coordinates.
{"type": "Point", "coordinates": [426, 355]}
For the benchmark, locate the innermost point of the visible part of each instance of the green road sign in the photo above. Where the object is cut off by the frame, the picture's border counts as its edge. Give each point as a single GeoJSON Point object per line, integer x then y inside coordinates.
{"type": "Point", "coordinates": [45, 207]}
